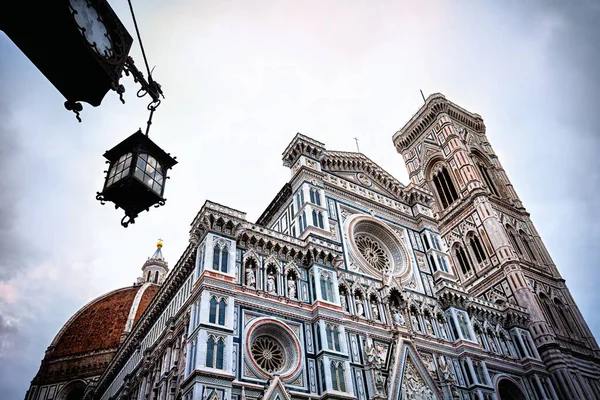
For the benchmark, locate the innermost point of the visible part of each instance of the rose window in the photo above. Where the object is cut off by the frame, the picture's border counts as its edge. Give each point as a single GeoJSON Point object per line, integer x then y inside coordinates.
{"type": "Point", "coordinates": [373, 252]}
{"type": "Point", "coordinates": [268, 353]}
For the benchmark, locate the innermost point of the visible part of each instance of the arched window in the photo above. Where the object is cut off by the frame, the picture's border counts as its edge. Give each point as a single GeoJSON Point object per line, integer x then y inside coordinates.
{"type": "Point", "coordinates": [148, 278]}
{"type": "Point", "coordinates": [477, 249]}
{"type": "Point", "coordinates": [320, 218]}
{"type": "Point", "coordinates": [215, 350]}
{"type": "Point", "coordinates": [212, 314]}
{"type": "Point", "coordinates": [318, 197]}
{"type": "Point", "coordinates": [210, 351]}
{"type": "Point", "coordinates": [300, 223]}
{"type": "Point", "coordinates": [224, 259]}
{"type": "Point", "coordinates": [445, 187]}
{"type": "Point", "coordinates": [487, 179]}
{"type": "Point", "coordinates": [443, 263]}
{"type": "Point", "coordinates": [547, 306]}
{"type": "Point", "coordinates": [156, 277]}
{"type": "Point", "coordinates": [338, 381]}
{"type": "Point", "coordinates": [314, 218]}
{"type": "Point", "coordinates": [467, 370]}
{"type": "Point", "coordinates": [326, 288]}
{"type": "Point", "coordinates": [463, 261]}
{"type": "Point", "coordinates": [527, 246]}
{"type": "Point", "coordinates": [336, 338]}
{"type": "Point", "coordinates": [312, 195]}
{"type": "Point", "coordinates": [220, 353]}
{"type": "Point", "coordinates": [222, 308]}
{"type": "Point", "coordinates": [216, 255]}
{"type": "Point", "coordinates": [432, 262]}
{"type": "Point", "coordinates": [513, 240]}
{"type": "Point", "coordinates": [342, 377]}
{"type": "Point", "coordinates": [564, 318]}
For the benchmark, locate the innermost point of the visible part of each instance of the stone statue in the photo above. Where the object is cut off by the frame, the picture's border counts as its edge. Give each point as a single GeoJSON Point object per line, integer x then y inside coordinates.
{"type": "Point", "coordinates": [415, 322]}
{"type": "Point", "coordinates": [343, 302]}
{"type": "Point", "coordinates": [360, 310]}
{"type": "Point", "coordinates": [291, 288]}
{"type": "Point", "coordinates": [464, 326]}
{"type": "Point", "coordinates": [429, 326]}
{"type": "Point", "coordinates": [250, 280]}
{"type": "Point", "coordinates": [399, 318]}
{"type": "Point", "coordinates": [369, 354]}
{"type": "Point", "coordinates": [271, 287]}
{"type": "Point", "coordinates": [375, 311]}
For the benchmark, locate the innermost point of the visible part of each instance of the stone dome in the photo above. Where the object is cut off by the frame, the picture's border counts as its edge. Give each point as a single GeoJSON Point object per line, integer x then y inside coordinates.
{"type": "Point", "coordinates": [100, 323]}
{"type": "Point", "coordinates": [87, 342]}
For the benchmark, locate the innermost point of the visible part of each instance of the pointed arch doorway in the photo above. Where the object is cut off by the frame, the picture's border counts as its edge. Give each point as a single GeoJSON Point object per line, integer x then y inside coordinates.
{"type": "Point", "coordinates": [509, 390]}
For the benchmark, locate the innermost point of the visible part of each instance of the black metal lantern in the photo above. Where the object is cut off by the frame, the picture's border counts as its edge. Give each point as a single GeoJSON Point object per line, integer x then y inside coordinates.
{"type": "Point", "coordinates": [136, 178]}
{"type": "Point", "coordinates": [81, 46]}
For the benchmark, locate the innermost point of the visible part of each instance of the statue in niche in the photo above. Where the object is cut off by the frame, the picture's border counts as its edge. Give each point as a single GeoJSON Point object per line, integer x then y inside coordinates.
{"type": "Point", "coordinates": [360, 310]}
{"type": "Point", "coordinates": [343, 302]}
{"type": "Point", "coordinates": [250, 279]}
{"type": "Point", "coordinates": [399, 318]}
{"type": "Point", "coordinates": [271, 286]}
{"type": "Point", "coordinates": [375, 311]}
{"type": "Point", "coordinates": [428, 326]}
{"type": "Point", "coordinates": [415, 322]}
{"type": "Point", "coordinates": [464, 325]}
{"type": "Point", "coordinates": [291, 287]}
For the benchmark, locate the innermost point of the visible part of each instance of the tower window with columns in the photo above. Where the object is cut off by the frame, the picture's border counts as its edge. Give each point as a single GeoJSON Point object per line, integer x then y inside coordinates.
{"type": "Point", "coordinates": [444, 186]}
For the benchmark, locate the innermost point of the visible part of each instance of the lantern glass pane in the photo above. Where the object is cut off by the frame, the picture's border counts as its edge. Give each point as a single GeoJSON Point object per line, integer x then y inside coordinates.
{"type": "Point", "coordinates": [149, 171]}
{"type": "Point", "coordinates": [119, 169]}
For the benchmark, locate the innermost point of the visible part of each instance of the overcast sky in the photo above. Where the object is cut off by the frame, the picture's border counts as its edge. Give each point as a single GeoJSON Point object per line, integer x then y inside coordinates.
{"type": "Point", "coordinates": [241, 78]}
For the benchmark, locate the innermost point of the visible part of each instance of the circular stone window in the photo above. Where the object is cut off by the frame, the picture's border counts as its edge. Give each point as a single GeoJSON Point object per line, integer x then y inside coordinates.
{"type": "Point", "coordinates": [373, 252]}
{"type": "Point", "coordinates": [377, 247]}
{"type": "Point", "coordinates": [274, 348]}
{"type": "Point", "coordinates": [268, 353]}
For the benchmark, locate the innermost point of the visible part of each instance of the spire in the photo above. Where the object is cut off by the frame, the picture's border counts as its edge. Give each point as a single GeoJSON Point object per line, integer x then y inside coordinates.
{"type": "Point", "coordinates": [158, 253]}
{"type": "Point", "coordinates": [156, 267]}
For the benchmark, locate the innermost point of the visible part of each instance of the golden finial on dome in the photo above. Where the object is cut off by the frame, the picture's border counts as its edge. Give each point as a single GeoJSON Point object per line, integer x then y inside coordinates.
{"type": "Point", "coordinates": [159, 244]}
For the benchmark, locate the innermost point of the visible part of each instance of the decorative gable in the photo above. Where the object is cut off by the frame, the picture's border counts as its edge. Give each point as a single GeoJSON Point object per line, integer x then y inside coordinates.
{"type": "Point", "coordinates": [276, 390]}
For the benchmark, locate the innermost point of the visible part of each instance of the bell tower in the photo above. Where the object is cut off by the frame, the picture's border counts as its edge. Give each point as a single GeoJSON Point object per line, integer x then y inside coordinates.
{"type": "Point", "coordinates": [495, 248]}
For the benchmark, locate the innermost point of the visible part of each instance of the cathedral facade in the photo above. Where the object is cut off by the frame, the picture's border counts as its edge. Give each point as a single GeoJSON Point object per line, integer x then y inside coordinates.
{"type": "Point", "coordinates": [350, 285]}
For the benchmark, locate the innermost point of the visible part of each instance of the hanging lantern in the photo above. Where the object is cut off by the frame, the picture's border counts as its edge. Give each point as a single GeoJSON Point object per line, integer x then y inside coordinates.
{"type": "Point", "coordinates": [135, 180]}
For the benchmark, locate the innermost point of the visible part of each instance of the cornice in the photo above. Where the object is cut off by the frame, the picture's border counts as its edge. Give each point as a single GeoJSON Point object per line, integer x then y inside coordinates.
{"type": "Point", "coordinates": [435, 105]}
{"type": "Point", "coordinates": [172, 284]}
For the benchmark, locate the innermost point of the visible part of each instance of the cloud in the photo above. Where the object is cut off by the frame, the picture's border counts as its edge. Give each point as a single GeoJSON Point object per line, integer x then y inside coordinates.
{"type": "Point", "coordinates": [240, 81]}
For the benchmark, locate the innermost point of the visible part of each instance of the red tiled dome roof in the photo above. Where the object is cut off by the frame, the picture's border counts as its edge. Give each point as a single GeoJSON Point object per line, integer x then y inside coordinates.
{"type": "Point", "coordinates": [99, 324]}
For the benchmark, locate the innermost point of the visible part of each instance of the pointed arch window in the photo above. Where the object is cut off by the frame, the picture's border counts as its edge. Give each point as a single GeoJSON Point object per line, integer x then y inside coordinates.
{"type": "Point", "coordinates": [463, 261]}
{"type": "Point", "coordinates": [212, 314]}
{"type": "Point", "coordinates": [148, 278]}
{"type": "Point", "coordinates": [320, 219]}
{"type": "Point", "coordinates": [215, 351]}
{"type": "Point", "coordinates": [224, 259]}
{"type": "Point", "coordinates": [477, 249]}
{"type": "Point", "coordinates": [527, 246]}
{"type": "Point", "coordinates": [326, 287]}
{"type": "Point", "coordinates": [220, 258]}
{"type": "Point", "coordinates": [487, 179]}
{"type": "Point", "coordinates": [445, 187]}
{"type": "Point", "coordinates": [222, 308]}
{"type": "Point", "coordinates": [318, 197]}
{"type": "Point", "coordinates": [156, 277]}
{"type": "Point", "coordinates": [314, 218]}
{"type": "Point", "coordinates": [312, 196]}
{"type": "Point", "coordinates": [513, 240]}
{"type": "Point", "coordinates": [217, 311]}
{"type": "Point", "coordinates": [333, 337]}
{"type": "Point", "coordinates": [443, 263]}
{"type": "Point", "coordinates": [338, 380]}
